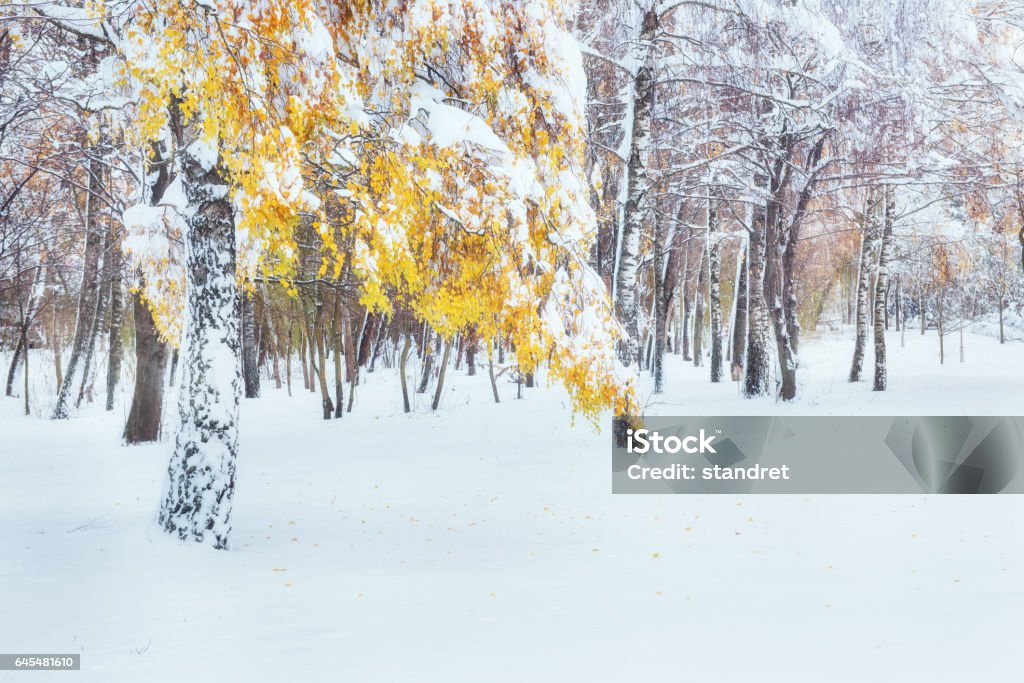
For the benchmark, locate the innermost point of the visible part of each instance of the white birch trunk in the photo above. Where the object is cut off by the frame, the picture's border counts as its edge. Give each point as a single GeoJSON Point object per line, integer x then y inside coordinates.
{"type": "Point", "coordinates": [197, 501]}
{"type": "Point", "coordinates": [867, 263]}
{"type": "Point", "coordinates": [881, 285]}
{"type": "Point", "coordinates": [636, 181]}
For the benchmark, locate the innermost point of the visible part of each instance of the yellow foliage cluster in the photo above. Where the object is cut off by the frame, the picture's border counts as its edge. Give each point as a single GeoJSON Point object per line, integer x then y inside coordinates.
{"type": "Point", "coordinates": [437, 139]}
{"type": "Point", "coordinates": [451, 230]}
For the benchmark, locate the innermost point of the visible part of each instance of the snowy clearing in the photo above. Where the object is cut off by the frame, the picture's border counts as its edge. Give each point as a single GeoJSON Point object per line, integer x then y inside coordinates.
{"type": "Point", "coordinates": [482, 543]}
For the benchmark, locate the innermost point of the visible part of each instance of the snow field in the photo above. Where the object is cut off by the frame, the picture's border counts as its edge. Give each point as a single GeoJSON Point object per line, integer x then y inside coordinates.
{"type": "Point", "coordinates": [482, 543]}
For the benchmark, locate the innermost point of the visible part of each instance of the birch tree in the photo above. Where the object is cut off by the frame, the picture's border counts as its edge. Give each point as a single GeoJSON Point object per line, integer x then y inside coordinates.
{"type": "Point", "coordinates": [888, 210]}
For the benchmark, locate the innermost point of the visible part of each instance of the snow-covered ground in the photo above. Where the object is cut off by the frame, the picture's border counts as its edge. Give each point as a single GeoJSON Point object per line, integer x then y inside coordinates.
{"type": "Point", "coordinates": [990, 381]}
{"type": "Point", "coordinates": [1013, 325]}
{"type": "Point", "coordinates": [482, 543]}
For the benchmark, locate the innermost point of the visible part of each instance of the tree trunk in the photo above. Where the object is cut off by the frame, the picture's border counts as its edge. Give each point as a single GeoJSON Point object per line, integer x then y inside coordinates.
{"type": "Point", "coordinates": [306, 381]}
{"type": "Point", "coordinates": [379, 344]}
{"type": "Point", "coordinates": [115, 346]}
{"type": "Point", "coordinates": [197, 505]}
{"type": "Point", "coordinates": [775, 276]}
{"type": "Point", "coordinates": [25, 375]}
{"type": "Point", "coordinates": [360, 358]}
{"type": "Point", "coordinates": [715, 292]}
{"type": "Point", "coordinates": [366, 335]}
{"type": "Point", "coordinates": [150, 362]}
{"type": "Point", "coordinates": [683, 334]}
{"type": "Point", "coordinates": [406, 346]}
{"type": "Point", "coordinates": [288, 358]}
{"type": "Point", "coordinates": [89, 292]}
{"type": "Point", "coordinates": [781, 261]}
{"type": "Point", "coordinates": [1020, 233]}
{"type": "Point", "coordinates": [677, 324]}
{"type": "Point", "coordinates": [55, 344]}
{"type": "Point", "coordinates": [881, 287]}
{"type": "Point", "coordinates": [275, 357]}
{"type": "Point", "coordinates": [698, 313]}
{"type": "Point", "coordinates": [685, 303]}
{"type": "Point", "coordinates": [351, 353]}
{"type": "Point", "coordinates": [250, 352]}
{"type": "Point", "coordinates": [174, 367]}
{"type": "Point", "coordinates": [85, 387]}
{"type": "Point", "coordinates": [660, 305]}
{"type": "Point", "coordinates": [898, 305]}
{"type": "Point", "coordinates": [275, 337]}
{"type": "Point", "coordinates": [661, 309]}
{"type": "Point", "coordinates": [339, 376]}
{"type": "Point", "coordinates": [647, 357]}
{"type": "Point", "coordinates": [471, 344]}
{"type": "Point", "coordinates": [314, 370]}
{"type": "Point", "coordinates": [440, 375]}
{"type": "Point", "coordinates": [428, 362]}
{"type": "Point", "coordinates": [867, 260]}
{"type": "Point", "coordinates": [885, 307]}
{"type": "Point", "coordinates": [490, 372]}
{"type": "Point", "coordinates": [26, 313]}
{"type": "Point", "coordinates": [146, 412]}
{"type": "Point", "coordinates": [636, 184]}
{"type": "Point", "coordinates": [739, 324]}
{"type": "Point", "coordinates": [666, 281]}
{"type": "Point", "coordinates": [757, 378]}
{"type": "Point", "coordinates": [20, 355]}
{"type": "Point", "coordinates": [942, 332]}
{"type": "Point", "coordinates": [321, 357]}
{"type": "Point", "coordinates": [1002, 305]}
